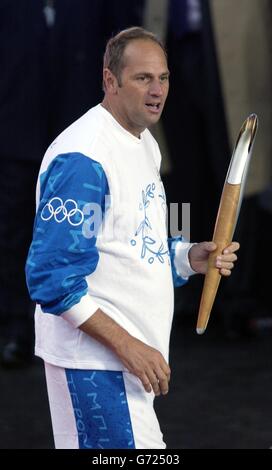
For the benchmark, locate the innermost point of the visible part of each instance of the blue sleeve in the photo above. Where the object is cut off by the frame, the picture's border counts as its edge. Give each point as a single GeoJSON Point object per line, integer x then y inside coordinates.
{"type": "Point", "coordinates": [63, 251]}
{"type": "Point", "coordinates": [177, 279]}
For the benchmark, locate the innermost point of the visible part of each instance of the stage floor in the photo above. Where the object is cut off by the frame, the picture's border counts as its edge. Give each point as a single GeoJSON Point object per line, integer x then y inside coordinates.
{"type": "Point", "coordinates": [220, 396]}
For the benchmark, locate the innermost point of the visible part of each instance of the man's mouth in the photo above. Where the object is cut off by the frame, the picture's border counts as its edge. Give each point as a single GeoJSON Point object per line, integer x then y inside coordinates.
{"type": "Point", "coordinates": [154, 107]}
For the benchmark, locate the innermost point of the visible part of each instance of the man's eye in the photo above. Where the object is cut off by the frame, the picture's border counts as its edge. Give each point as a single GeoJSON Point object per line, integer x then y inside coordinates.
{"type": "Point", "coordinates": [142, 78]}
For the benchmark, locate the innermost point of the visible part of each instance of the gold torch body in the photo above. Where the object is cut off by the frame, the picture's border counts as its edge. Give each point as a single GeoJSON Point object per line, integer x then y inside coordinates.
{"type": "Point", "coordinates": [227, 215]}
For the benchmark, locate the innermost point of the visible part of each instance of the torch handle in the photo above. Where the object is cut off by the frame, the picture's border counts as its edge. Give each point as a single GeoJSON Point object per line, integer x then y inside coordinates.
{"type": "Point", "coordinates": [223, 232]}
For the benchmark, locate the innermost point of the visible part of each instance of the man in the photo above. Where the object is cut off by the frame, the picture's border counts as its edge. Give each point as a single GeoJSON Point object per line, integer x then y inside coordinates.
{"type": "Point", "coordinates": [105, 296]}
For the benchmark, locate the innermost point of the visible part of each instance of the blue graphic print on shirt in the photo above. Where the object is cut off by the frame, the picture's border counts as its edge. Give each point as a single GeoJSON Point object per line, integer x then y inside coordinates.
{"type": "Point", "coordinates": [155, 250]}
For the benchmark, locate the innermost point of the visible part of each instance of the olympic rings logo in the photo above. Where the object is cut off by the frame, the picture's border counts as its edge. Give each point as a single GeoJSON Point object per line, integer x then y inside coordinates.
{"type": "Point", "coordinates": [61, 211]}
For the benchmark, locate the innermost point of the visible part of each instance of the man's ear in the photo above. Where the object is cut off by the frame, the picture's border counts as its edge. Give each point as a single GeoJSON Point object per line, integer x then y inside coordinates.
{"type": "Point", "coordinates": [110, 82]}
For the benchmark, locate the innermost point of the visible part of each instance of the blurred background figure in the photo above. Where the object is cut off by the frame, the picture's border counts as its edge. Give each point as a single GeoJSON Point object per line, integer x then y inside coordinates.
{"type": "Point", "coordinates": [23, 131]}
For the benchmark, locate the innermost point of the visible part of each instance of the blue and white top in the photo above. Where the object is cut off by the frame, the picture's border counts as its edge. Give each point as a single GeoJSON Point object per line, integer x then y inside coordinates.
{"type": "Point", "coordinates": [100, 241]}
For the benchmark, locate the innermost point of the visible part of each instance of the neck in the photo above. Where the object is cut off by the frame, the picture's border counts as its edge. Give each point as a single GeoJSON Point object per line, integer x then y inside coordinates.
{"type": "Point", "coordinates": [114, 112]}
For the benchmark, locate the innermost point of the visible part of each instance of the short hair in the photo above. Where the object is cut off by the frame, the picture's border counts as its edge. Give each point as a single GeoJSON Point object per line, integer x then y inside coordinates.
{"type": "Point", "coordinates": [114, 53]}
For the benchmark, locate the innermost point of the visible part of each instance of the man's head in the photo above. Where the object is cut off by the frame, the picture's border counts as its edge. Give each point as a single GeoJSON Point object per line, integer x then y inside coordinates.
{"type": "Point", "coordinates": [114, 53]}
{"type": "Point", "coordinates": [135, 78]}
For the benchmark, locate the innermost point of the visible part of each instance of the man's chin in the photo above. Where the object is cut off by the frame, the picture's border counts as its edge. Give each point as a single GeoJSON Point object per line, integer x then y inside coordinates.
{"type": "Point", "coordinates": [153, 119]}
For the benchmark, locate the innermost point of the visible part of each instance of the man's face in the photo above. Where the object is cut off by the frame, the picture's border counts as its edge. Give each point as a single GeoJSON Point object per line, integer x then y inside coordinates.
{"type": "Point", "coordinates": [144, 86]}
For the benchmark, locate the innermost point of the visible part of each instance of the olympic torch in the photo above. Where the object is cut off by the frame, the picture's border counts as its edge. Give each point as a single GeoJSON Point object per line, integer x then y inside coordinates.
{"type": "Point", "coordinates": [227, 215]}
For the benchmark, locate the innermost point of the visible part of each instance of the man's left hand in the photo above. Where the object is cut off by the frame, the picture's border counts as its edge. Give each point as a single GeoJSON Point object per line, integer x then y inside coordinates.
{"type": "Point", "coordinates": [199, 254]}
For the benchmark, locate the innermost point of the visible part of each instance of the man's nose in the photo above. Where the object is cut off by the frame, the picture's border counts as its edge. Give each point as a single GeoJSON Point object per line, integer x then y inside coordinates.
{"type": "Point", "coordinates": [156, 88]}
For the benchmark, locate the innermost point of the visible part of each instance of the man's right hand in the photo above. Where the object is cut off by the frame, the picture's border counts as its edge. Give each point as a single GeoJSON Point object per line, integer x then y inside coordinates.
{"type": "Point", "coordinates": [145, 362]}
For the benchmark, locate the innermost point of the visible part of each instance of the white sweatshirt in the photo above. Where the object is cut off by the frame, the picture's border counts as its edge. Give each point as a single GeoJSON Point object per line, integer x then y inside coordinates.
{"type": "Point", "coordinates": [126, 268]}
